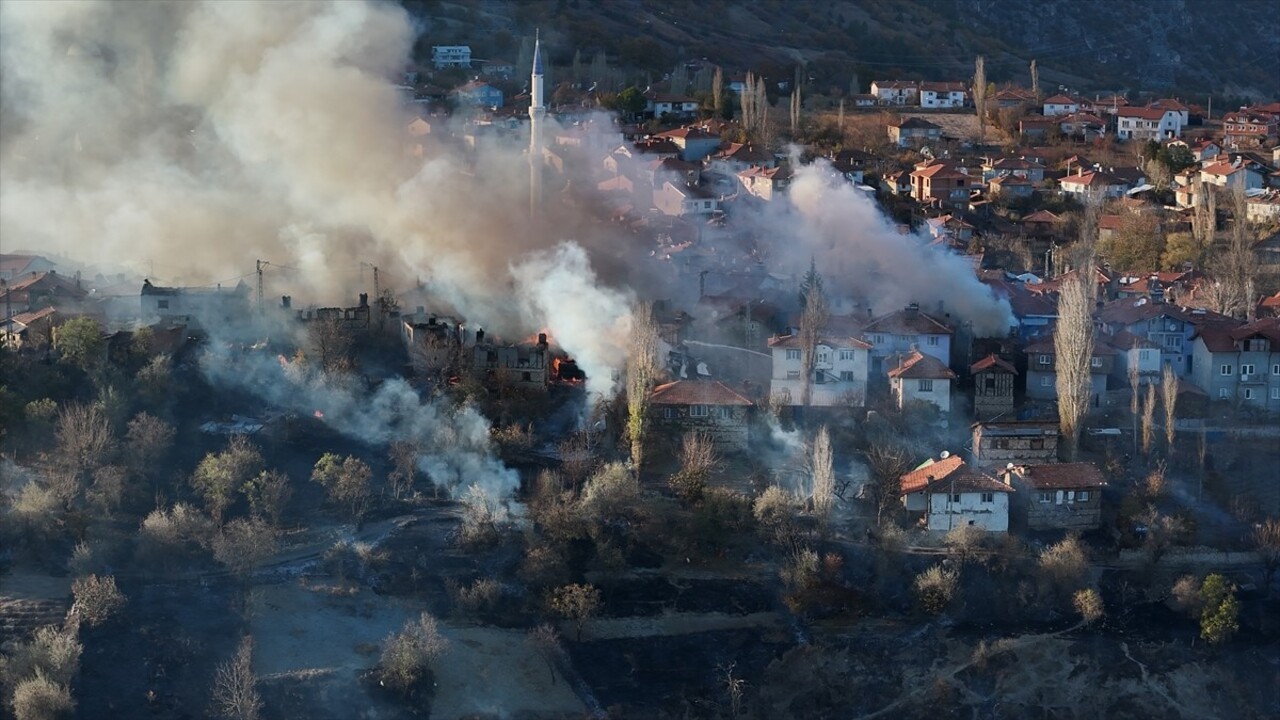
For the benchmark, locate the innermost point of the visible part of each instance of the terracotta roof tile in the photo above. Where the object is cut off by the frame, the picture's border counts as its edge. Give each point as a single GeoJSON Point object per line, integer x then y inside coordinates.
{"type": "Point", "coordinates": [992, 361]}
{"type": "Point", "coordinates": [1061, 476]}
{"type": "Point", "coordinates": [947, 473]}
{"type": "Point", "coordinates": [918, 365]}
{"type": "Point", "coordinates": [696, 392]}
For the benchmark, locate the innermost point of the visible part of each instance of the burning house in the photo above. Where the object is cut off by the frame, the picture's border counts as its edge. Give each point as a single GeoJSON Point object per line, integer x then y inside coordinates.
{"type": "Point", "coordinates": [351, 318]}
{"type": "Point", "coordinates": [194, 307]}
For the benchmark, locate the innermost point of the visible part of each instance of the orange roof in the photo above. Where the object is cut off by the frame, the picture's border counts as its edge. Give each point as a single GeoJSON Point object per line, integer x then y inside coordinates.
{"type": "Point", "coordinates": [947, 474]}
{"type": "Point", "coordinates": [1061, 476]}
{"type": "Point", "coordinates": [918, 365]}
{"type": "Point", "coordinates": [1145, 113]}
{"type": "Point", "coordinates": [990, 362]}
{"type": "Point", "coordinates": [688, 133]}
{"type": "Point", "coordinates": [696, 392]}
{"type": "Point", "coordinates": [909, 321]}
{"type": "Point", "coordinates": [1042, 216]}
{"type": "Point", "coordinates": [1061, 100]}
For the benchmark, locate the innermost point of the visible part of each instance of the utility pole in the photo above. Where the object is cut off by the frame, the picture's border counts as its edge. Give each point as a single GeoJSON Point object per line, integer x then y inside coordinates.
{"type": "Point", "coordinates": [377, 295]}
{"type": "Point", "coordinates": [8, 313]}
{"type": "Point", "coordinates": [260, 264]}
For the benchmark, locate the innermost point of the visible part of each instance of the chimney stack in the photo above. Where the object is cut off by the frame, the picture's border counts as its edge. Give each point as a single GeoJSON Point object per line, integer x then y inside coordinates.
{"type": "Point", "coordinates": [364, 300]}
{"type": "Point", "coordinates": [542, 340]}
{"type": "Point", "coordinates": [286, 302]}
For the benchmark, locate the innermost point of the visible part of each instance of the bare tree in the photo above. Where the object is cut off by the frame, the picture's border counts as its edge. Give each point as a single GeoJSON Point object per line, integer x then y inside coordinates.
{"type": "Point", "coordinates": [97, 599]}
{"type": "Point", "coordinates": [1169, 396]}
{"type": "Point", "coordinates": [1148, 421]}
{"type": "Point", "coordinates": [823, 475]}
{"type": "Point", "coordinates": [243, 545]}
{"type": "Point", "coordinates": [235, 687]}
{"type": "Point", "coordinates": [147, 444]}
{"type": "Point", "coordinates": [1234, 267]}
{"type": "Point", "coordinates": [795, 111]}
{"type": "Point", "coordinates": [85, 443]}
{"type": "Point", "coordinates": [888, 461]}
{"type": "Point", "coordinates": [1073, 347]}
{"type": "Point", "coordinates": [404, 467]}
{"type": "Point", "coordinates": [812, 322]}
{"type": "Point", "coordinates": [40, 698]}
{"type": "Point", "coordinates": [717, 91]}
{"type": "Point", "coordinates": [1266, 540]}
{"type": "Point", "coordinates": [406, 656]}
{"type": "Point", "coordinates": [698, 460]}
{"type": "Point", "coordinates": [642, 369]}
{"type": "Point", "coordinates": [331, 342]}
{"type": "Point", "coordinates": [1134, 401]}
{"type": "Point", "coordinates": [980, 96]}
{"type": "Point", "coordinates": [545, 639]}
{"type": "Point", "coordinates": [1035, 81]}
{"type": "Point", "coordinates": [577, 603]}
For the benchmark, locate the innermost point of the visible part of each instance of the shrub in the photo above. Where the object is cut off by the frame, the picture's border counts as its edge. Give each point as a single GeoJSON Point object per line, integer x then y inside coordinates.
{"type": "Point", "coordinates": [39, 698]}
{"type": "Point", "coordinates": [800, 572]}
{"type": "Point", "coordinates": [935, 588]}
{"type": "Point", "coordinates": [53, 652]}
{"type": "Point", "coordinates": [1088, 603]}
{"type": "Point", "coordinates": [611, 493]}
{"type": "Point", "coordinates": [966, 540]}
{"type": "Point", "coordinates": [1220, 619]}
{"type": "Point", "coordinates": [97, 599]}
{"type": "Point", "coordinates": [483, 519]}
{"type": "Point", "coordinates": [480, 597]}
{"type": "Point", "coordinates": [775, 510]}
{"type": "Point", "coordinates": [577, 603]}
{"type": "Point", "coordinates": [1064, 563]}
{"type": "Point", "coordinates": [407, 655]}
{"type": "Point", "coordinates": [1186, 595]}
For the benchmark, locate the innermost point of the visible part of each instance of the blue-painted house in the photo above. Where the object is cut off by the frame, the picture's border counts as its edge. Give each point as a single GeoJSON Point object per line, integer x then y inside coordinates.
{"type": "Point", "coordinates": [478, 94]}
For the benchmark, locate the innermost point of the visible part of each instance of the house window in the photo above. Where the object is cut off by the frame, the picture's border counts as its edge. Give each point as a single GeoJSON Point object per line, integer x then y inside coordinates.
{"type": "Point", "coordinates": [846, 376]}
{"type": "Point", "coordinates": [846, 354]}
{"type": "Point", "coordinates": [1275, 369]}
{"type": "Point", "coordinates": [1082, 495]}
{"type": "Point", "coordinates": [955, 498]}
{"type": "Point", "coordinates": [793, 354]}
{"type": "Point", "coordinates": [163, 304]}
{"type": "Point", "coordinates": [1247, 369]}
{"type": "Point", "coordinates": [1173, 341]}
{"type": "Point", "coordinates": [706, 204]}
{"type": "Point", "coordinates": [990, 382]}
{"type": "Point", "coordinates": [1046, 381]}
{"type": "Point", "coordinates": [878, 339]}
{"type": "Point", "coordinates": [793, 374]}
{"type": "Point", "coordinates": [988, 497]}
{"type": "Point", "coordinates": [1275, 393]}
{"type": "Point", "coordinates": [698, 411]}
{"type": "Point", "coordinates": [1226, 370]}
{"type": "Point", "coordinates": [526, 377]}
{"type": "Point", "coordinates": [669, 413]}
{"type": "Point", "coordinates": [1045, 497]}
{"type": "Point", "coordinates": [824, 357]}
{"type": "Point", "coordinates": [931, 341]}
{"type": "Point", "coordinates": [926, 386]}
{"type": "Point", "coordinates": [1248, 393]}
{"type": "Point", "coordinates": [1043, 360]}
{"type": "Point", "coordinates": [1223, 394]}
{"type": "Point", "coordinates": [1095, 362]}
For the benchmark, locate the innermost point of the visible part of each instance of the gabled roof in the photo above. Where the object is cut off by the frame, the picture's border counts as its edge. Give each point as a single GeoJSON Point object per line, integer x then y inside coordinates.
{"type": "Point", "coordinates": [1042, 216]}
{"type": "Point", "coordinates": [943, 86]}
{"type": "Point", "coordinates": [696, 392]}
{"type": "Point", "coordinates": [909, 321]}
{"type": "Point", "coordinates": [938, 170]}
{"type": "Point", "coordinates": [743, 152]}
{"type": "Point", "coordinates": [15, 264]}
{"type": "Point", "coordinates": [1061, 100]}
{"type": "Point", "coordinates": [948, 474]}
{"type": "Point", "coordinates": [839, 343]}
{"type": "Point", "coordinates": [781, 172]}
{"type": "Point", "coordinates": [689, 133]}
{"type": "Point", "coordinates": [1061, 476]}
{"type": "Point", "coordinates": [993, 363]}
{"type": "Point", "coordinates": [1141, 113]}
{"type": "Point", "coordinates": [1045, 346]}
{"type": "Point", "coordinates": [49, 281]}
{"type": "Point", "coordinates": [1015, 164]}
{"type": "Point", "coordinates": [917, 365]}
{"type": "Point", "coordinates": [1093, 178]}
{"type": "Point", "coordinates": [915, 123]}
{"type": "Point", "coordinates": [1125, 340]}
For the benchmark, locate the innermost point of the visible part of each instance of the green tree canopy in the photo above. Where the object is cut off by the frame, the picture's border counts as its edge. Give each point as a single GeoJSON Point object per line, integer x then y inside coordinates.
{"type": "Point", "coordinates": [80, 341]}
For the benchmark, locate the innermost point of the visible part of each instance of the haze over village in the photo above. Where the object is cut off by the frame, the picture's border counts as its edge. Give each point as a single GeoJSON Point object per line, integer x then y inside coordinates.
{"type": "Point", "coordinates": [489, 359]}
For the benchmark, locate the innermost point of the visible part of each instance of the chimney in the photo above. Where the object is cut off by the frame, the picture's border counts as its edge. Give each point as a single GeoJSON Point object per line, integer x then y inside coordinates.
{"type": "Point", "coordinates": [542, 340]}
{"type": "Point", "coordinates": [479, 335]}
{"type": "Point", "coordinates": [364, 300]}
{"type": "Point", "coordinates": [286, 302]}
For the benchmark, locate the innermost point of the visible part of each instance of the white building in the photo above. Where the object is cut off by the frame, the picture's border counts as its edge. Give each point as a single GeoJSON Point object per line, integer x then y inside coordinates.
{"type": "Point", "coordinates": [1146, 123]}
{"type": "Point", "coordinates": [1060, 105]}
{"type": "Point", "coordinates": [942, 94]}
{"type": "Point", "coordinates": [916, 376]}
{"type": "Point", "coordinates": [952, 494]}
{"type": "Point", "coordinates": [449, 56]}
{"type": "Point", "coordinates": [895, 92]}
{"type": "Point", "coordinates": [839, 376]}
{"type": "Point", "coordinates": [905, 330]}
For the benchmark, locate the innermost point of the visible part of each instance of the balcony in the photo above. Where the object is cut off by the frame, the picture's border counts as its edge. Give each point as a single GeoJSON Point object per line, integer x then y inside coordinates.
{"type": "Point", "coordinates": [1252, 378]}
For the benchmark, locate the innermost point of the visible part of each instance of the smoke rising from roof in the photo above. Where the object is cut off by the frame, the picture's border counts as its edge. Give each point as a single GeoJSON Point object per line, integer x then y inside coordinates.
{"type": "Point", "coordinates": [861, 254]}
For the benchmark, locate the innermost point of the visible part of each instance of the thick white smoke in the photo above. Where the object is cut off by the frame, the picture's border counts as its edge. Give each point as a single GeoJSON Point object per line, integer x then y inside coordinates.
{"type": "Point", "coordinates": [589, 319]}
{"type": "Point", "coordinates": [860, 254]}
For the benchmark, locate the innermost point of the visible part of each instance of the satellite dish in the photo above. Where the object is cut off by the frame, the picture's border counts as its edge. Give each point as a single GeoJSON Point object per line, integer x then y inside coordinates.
{"type": "Point", "coordinates": [944, 455]}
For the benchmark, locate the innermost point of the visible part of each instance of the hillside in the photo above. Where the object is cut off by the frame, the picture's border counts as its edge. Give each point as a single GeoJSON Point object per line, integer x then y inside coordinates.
{"type": "Point", "coordinates": [1183, 47]}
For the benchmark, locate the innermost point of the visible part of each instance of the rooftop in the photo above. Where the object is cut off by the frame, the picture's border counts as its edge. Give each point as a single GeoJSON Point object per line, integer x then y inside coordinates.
{"type": "Point", "coordinates": [696, 392]}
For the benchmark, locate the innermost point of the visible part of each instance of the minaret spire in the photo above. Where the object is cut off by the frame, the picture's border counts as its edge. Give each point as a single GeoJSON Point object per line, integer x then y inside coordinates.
{"type": "Point", "coordinates": [536, 113]}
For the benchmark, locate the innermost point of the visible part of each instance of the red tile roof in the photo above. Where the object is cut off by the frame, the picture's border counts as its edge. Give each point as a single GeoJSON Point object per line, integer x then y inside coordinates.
{"type": "Point", "coordinates": [696, 392]}
{"type": "Point", "coordinates": [1142, 113]}
{"type": "Point", "coordinates": [1041, 216]}
{"type": "Point", "coordinates": [688, 133]}
{"type": "Point", "coordinates": [1061, 476]}
{"type": "Point", "coordinates": [992, 362]}
{"type": "Point", "coordinates": [918, 365]}
{"type": "Point", "coordinates": [1061, 100]}
{"type": "Point", "coordinates": [946, 474]}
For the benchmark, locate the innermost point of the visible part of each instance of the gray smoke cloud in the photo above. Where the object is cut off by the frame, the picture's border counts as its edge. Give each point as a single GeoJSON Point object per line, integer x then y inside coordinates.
{"type": "Point", "coordinates": [861, 254]}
